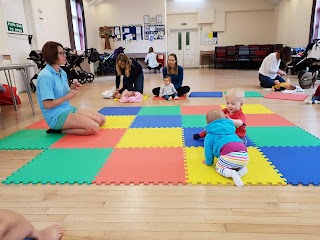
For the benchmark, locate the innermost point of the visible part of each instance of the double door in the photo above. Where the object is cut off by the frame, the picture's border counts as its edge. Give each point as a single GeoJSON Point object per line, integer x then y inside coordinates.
{"type": "Point", "coordinates": [184, 43]}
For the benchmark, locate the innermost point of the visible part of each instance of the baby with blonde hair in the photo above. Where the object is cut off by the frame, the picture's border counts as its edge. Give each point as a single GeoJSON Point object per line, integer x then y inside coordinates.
{"type": "Point", "coordinates": [233, 111]}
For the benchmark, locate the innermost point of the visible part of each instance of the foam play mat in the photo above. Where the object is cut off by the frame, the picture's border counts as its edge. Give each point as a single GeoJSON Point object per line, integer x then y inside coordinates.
{"type": "Point", "coordinates": [155, 145]}
{"type": "Point", "coordinates": [206, 94]}
{"type": "Point", "coordinates": [287, 96]}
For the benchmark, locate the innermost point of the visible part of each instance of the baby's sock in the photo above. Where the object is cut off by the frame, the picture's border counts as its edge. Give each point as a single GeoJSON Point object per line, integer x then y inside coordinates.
{"type": "Point", "coordinates": [243, 171]}
{"type": "Point", "coordinates": [234, 175]}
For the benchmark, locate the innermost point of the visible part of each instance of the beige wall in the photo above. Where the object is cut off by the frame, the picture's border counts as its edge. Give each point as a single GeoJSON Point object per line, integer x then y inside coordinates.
{"type": "Point", "coordinates": [293, 24]}
{"type": "Point", "coordinates": [124, 12]}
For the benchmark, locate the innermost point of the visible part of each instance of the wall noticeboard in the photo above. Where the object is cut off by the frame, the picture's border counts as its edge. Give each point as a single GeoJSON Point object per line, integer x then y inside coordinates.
{"type": "Point", "coordinates": [132, 33]}
{"type": "Point", "coordinates": [154, 32]}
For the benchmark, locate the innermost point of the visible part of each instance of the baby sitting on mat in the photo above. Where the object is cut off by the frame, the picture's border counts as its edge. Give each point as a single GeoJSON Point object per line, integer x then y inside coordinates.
{"type": "Point", "coordinates": [223, 143]}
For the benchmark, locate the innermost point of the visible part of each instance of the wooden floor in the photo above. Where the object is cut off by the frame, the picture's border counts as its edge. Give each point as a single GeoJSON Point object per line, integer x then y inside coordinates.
{"type": "Point", "coordinates": [167, 212]}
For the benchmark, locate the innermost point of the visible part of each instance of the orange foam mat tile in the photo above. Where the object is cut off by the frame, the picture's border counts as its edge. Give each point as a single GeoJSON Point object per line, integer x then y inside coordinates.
{"type": "Point", "coordinates": [143, 166]}
{"type": "Point", "coordinates": [105, 138]}
{"type": "Point", "coordinates": [267, 120]}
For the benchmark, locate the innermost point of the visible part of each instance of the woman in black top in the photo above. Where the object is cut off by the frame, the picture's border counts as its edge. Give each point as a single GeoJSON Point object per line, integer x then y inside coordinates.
{"type": "Point", "coordinates": [133, 77]}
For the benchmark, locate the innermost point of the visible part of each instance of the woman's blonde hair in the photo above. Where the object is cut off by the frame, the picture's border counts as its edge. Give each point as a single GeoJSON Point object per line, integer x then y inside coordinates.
{"type": "Point", "coordinates": [123, 58]}
{"type": "Point", "coordinates": [173, 70]}
{"type": "Point", "coordinates": [236, 93]}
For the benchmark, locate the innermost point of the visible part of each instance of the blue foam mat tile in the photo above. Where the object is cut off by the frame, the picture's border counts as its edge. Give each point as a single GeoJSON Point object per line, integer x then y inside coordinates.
{"type": "Point", "coordinates": [188, 137]}
{"type": "Point", "coordinates": [119, 111]}
{"type": "Point", "coordinates": [206, 94]}
{"type": "Point", "coordinates": [145, 121]}
{"type": "Point", "coordinates": [299, 165]}
{"type": "Point", "coordinates": [250, 143]}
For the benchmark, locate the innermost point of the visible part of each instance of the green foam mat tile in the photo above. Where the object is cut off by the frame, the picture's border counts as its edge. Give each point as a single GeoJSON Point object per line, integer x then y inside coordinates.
{"type": "Point", "coordinates": [252, 94]}
{"type": "Point", "coordinates": [281, 137]}
{"type": "Point", "coordinates": [61, 166]}
{"type": "Point", "coordinates": [167, 110]}
{"type": "Point", "coordinates": [29, 139]}
{"type": "Point", "coordinates": [198, 120]}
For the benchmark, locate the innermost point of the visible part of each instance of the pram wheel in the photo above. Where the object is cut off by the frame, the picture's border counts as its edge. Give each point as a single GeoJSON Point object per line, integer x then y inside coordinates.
{"type": "Point", "coordinates": [32, 87]}
{"type": "Point", "coordinates": [90, 77]}
{"type": "Point", "coordinates": [82, 80]}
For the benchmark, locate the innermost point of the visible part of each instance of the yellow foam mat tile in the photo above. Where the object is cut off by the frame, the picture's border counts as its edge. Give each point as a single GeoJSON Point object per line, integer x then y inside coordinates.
{"type": "Point", "coordinates": [260, 171]}
{"type": "Point", "coordinates": [118, 122]}
{"type": "Point", "coordinates": [151, 137]}
{"type": "Point", "coordinates": [145, 97]}
{"type": "Point", "coordinates": [253, 109]}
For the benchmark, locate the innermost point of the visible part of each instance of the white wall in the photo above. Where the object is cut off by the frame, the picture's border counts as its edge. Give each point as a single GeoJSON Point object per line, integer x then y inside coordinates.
{"type": "Point", "coordinates": [54, 24]}
{"type": "Point", "coordinates": [124, 12]}
{"type": "Point", "coordinates": [244, 22]}
{"type": "Point", "coordinates": [293, 25]}
{"type": "Point", "coordinates": [92, 27]}
{"type": "Point", "coordinates": [191, 6]}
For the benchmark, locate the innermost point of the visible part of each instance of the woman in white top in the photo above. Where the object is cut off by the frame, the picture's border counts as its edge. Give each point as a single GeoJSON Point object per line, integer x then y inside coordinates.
{"type": "Point", "coordinates": [269, 72]}
{"type": "Point", "coordinates": [151, 60]}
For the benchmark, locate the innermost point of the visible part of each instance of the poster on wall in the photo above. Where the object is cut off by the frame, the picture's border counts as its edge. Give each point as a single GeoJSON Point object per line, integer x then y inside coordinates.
{"type": "Point", "coordinates": [207, 38]}
{"type": "Point", "coordinates": [154, 32]}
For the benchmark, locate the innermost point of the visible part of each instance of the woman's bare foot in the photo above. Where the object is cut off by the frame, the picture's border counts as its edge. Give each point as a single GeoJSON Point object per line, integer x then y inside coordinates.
{"type": "Point", "coordinates": [53, 232]}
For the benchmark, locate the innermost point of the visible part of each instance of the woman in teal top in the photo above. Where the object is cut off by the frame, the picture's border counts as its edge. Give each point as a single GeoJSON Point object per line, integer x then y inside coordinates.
{"type": "Point", "coordinates": [54, 94]}
{"type": "Point", "coordinates": [176, 73]}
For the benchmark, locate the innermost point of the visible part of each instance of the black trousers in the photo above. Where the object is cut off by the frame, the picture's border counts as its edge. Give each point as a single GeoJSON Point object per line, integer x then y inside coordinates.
{"type": "Point", "coordinates": [181, 90]}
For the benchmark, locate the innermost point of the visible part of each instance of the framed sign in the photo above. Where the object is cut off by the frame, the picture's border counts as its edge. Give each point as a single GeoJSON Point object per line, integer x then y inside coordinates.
{"type": "Point", "coordinates": [146, 19]}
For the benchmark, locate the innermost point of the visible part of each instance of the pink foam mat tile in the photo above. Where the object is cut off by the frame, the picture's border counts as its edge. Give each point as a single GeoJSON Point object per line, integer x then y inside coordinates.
{"type": "Point", "coordinates": [266, 120]}
{"type": "Point", "coordinates": [198, 109]}
{"type": "Point", "coordinates": [287, 96]}
{"type": "Point", "coordinates": [143, 166]}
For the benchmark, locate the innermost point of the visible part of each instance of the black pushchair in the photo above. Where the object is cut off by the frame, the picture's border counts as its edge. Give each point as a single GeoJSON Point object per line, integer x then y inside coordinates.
{"type": "Point", "coordinates": [36, 56]}
{"type": "Point", "coordinates": [308, 65]}
{"type": "Point", "coordinates": [73, 66]}
{"type": "Point", "coordinates": [107, 63]}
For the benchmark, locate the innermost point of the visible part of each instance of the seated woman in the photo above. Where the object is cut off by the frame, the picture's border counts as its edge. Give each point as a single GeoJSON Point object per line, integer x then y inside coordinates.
{"type": "Point", "coordinates": [269, 72]}
{"type": "Point", "coordinates": [151, 60]}
{"type": "Point", "coordinates": [133, 78]}
{"type": "Point", "coordinates": [176, 73]}
{"type": "Point", "coordinates": [54, 95]}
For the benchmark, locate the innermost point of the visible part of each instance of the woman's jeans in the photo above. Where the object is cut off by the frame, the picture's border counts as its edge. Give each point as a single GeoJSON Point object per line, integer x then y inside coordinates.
{"type": "Point", "coordinates": [267, 82]}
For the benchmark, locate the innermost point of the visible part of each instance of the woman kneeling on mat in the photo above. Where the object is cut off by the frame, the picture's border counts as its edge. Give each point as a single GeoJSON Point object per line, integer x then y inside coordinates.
{"type": "Point", "coordinates": [54, 94]}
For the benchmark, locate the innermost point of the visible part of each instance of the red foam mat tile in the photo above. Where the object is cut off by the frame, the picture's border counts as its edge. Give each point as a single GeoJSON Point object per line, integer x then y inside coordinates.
{"type": "Point", "coordinates": [143, 165]}
{"type": "Point", "coordinates": [198, 109]}
{"type": "Point", "coordinates": [183, 97]}
{"type": "Point", "coordinates": [286, 96]}
{"type": "Point", "coordinates": [266, 120]}
{"type": "Point", "coordinates": [106, 138]}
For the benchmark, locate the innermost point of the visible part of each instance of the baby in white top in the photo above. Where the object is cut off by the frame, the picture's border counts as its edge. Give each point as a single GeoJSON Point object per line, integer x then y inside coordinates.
{"type": "Point", "coordinates": [167, 90]}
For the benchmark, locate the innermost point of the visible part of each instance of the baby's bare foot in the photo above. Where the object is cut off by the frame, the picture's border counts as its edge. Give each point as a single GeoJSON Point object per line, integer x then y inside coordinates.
{"type": "Point", "coordinates": [53, 232]}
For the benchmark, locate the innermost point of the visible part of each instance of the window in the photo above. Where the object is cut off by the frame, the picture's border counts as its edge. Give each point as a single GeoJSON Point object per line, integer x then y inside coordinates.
{"type": "Point", "coordinates": [76, 23]}
{"type": "Point", "coordinates": [315, 21]}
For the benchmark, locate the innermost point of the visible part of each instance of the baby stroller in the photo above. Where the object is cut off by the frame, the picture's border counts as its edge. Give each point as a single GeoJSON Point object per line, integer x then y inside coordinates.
{"type": "Point", "coordinates": [36, 56]}
{"type": "Point", "coordinates": [308, 65]}
{"type": "Point", "coordinates": [73, 66]}
{"type": "Point", "coordinates": [107, 63]}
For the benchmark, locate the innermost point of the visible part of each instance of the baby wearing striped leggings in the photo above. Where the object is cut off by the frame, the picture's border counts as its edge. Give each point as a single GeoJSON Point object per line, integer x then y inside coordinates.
{"type": "Point", "coordinates": [223, 143]}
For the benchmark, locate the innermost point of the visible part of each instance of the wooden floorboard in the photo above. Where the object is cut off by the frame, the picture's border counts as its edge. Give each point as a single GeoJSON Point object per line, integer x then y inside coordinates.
{"type": "Point", "coordinates": [166, 212]}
